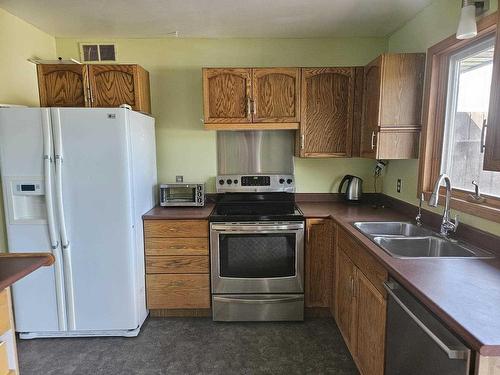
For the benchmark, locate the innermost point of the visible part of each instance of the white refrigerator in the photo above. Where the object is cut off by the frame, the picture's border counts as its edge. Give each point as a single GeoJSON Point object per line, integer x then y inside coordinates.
{"type": "Point", "coordinates": [76, 182]}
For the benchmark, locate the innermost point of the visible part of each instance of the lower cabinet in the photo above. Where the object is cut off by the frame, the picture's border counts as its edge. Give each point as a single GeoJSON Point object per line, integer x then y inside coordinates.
{"type": "Point", "coordinates": [360, 305]}
{"type": "Point", "coordinates": [370, 327]}
{"type": "Point", "coordinates": [318, 262]}
{"type": "Point", "coordinates": [346, 303]}
{"type": "Point", "coordinates": [178, 291]}
{"type": "Point", "coordinates": [177, 266]}
{"type": "Point", "coordinates": [8, 349]}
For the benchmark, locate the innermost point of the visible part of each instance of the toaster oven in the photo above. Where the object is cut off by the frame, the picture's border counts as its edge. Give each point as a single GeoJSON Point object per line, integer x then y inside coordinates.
{"type": "Point", "coordinates": [182, 195]}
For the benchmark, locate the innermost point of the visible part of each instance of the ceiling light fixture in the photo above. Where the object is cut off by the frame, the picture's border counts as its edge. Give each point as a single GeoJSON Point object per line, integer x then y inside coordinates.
{"type": "Point", "coordinates": [467, 27]}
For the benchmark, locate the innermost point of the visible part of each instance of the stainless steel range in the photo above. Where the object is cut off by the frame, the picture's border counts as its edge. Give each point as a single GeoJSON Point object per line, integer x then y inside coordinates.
{"type": "Point", "coordinates": [257, 249]}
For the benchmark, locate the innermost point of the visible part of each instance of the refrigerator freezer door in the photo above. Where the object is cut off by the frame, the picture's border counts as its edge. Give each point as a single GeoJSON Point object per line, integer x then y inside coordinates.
{"type": "Point", "coordinates": [35, 298]}
{"type": "Point", "coordinates": [97, 199]}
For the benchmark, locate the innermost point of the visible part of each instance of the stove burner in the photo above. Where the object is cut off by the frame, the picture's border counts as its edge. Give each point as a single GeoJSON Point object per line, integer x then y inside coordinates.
{"type": "Point", "coordinates": [233, 207]}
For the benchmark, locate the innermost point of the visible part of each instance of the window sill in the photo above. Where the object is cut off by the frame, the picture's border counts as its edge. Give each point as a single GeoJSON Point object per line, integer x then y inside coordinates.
{"type": "Point", "coordinates": [482, 210]}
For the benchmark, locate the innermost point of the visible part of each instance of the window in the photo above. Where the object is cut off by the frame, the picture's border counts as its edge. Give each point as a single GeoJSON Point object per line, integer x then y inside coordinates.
{"type": "Point", "coordinates": [468, 95]}
{"type": "Point", "coordinates": [456, 106]}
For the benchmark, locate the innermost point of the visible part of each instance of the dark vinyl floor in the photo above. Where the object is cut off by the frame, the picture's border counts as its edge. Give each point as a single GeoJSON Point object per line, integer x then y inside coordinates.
{"type": "Point", "coordinates": [196, 346]}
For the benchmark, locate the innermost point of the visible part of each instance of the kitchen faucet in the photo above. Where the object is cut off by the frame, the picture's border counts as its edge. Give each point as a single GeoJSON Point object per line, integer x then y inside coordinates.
{"type": "Point", "coordinates": [447, 224]}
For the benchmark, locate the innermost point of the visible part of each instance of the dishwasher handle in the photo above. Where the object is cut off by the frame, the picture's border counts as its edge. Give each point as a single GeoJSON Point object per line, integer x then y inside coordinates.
{"type": "Point", "coordinates": [451, 352]}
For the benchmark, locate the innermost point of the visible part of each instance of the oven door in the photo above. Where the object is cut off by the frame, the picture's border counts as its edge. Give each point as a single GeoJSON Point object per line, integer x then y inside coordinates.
{"type": "Point", "coordinates": [257, 257]}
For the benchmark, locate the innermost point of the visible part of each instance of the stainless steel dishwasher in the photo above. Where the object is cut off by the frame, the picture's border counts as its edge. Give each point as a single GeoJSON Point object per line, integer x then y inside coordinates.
{"type": "Point", "coordinates": [417, 343]}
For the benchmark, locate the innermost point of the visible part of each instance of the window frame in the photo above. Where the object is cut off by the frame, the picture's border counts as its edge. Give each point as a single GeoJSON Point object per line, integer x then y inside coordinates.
{"type": "Point", "coordinates": [434, 114]}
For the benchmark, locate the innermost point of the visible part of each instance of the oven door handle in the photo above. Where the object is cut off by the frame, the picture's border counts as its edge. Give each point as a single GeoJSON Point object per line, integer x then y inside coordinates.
{"type": "Point", "coordinates": [258, 300]}
{"type": "Point", "coordinates": [256, 227]}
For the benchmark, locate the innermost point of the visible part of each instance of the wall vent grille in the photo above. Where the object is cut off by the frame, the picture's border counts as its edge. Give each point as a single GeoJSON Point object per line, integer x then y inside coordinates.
{"type": "Point", "coordinates": [92, 52]}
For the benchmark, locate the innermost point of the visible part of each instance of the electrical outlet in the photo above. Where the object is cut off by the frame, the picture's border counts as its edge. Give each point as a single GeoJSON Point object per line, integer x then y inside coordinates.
{"type": "Point", "coordinates": [399, 184]}
{"type": "Point", "coordinates": [179, 178]}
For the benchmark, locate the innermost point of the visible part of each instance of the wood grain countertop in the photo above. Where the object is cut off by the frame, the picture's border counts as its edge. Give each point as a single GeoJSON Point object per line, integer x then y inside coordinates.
{"type": "Point", "coordinates": [14, 267]}
{"type": "Point", "coordinates": [464, 293]}
{"type": "Point", "coordinates": [179, 213]}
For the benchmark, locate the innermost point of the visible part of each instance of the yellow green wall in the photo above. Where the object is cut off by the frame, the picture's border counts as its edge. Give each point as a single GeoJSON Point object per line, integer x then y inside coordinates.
{"type": "Point", "coordinates": [433, 24]}
{"type": "Point", "coordinates": [18, 85]}
{"type": "Point", "coordinates": [183, 147]}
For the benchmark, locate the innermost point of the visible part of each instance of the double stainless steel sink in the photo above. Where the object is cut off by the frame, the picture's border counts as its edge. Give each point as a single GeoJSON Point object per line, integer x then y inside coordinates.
{"type": "Point", "coordinates": [407, 240]}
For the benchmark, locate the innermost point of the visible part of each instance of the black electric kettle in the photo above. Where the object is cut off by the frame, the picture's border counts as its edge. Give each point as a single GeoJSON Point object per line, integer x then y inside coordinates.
{"type": "Point", "coordinates": [354, 189]}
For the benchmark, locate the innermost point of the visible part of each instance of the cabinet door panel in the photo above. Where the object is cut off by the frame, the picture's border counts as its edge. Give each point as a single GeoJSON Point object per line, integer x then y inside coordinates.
{"type": "Point", "coordinates": [226, 95]}
{"type": "Point", "coordinates": [62, 85]}
{"type": "Point", "coordinates": [178, 291]}
{"type": "Point", "coordinates": [401, 100]}
{"type": "Point", "coordinates": [327, 111]}
{"type": "Point", "coordinates": [276, 94]}
{"type": "Point", "coordinates": [112, 85]}
{"type": "Point", "coordinates": [318, 262]}
{"type": "Point", "coordinates": [177, 264]}
{"type": "Point", "coordinates": [346, 304]}
{"type": "Point", "coordinates": [492, 146]}
{"type": "Point", "coordinates": [398, 144]}
{"type": "Point", "coordinates": [175, 228]}
{"type": "Point", "coordinates": [371, 107]}
{"type": "Point", "coordinates": [371, 307]}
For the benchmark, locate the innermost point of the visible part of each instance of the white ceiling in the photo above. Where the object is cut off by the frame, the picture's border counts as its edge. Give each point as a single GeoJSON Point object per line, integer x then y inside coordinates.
{"type": "Point", "coordinates": [216, 18]}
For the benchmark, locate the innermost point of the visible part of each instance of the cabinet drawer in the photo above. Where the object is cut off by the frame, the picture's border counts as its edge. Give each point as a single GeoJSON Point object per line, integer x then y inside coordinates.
{"type": "Point", "coordinates": [177, 264]}
{"type": "Point", "coordinates": [4, 361]}
{"type": "Point", "coordinates": [4, 312]}
{"type": "Point", "coordinates": [370, 267]}
{"type": "Point", "coordinates": [176, 228]}
{"type": "Point", "coordinates": [171, 291]}
{"type": "Point", "coordinates": [176, 246]}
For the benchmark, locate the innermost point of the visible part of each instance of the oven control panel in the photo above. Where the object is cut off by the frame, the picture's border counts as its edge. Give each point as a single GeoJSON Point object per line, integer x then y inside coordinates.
{"type": "Point", "coordinates": [257, 183]}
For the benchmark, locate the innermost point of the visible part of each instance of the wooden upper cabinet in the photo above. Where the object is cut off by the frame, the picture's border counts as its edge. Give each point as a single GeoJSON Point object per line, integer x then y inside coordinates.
{"type": "Point", "coordinates": [318, 262]}
{"type": "Point", "coordinates": [392, 104]}
{"type": "Point", "coordinates": [370, 327]}
{"type": "Point", "coordinates": [327, 112]}
{"type": "Point", "coordinates": [276, 94]}
{"type": "Point", "coordinates": [75, 85]}
{"type": "Point", "coordinates": [62, 85]}
{"type": "Point", "coordinates": [402, 90]}
{"type": "Point", "coordinates": [227, 95]}
{"type": "Point", "coordinates": [114, 85]}
{"type": "Point", "coordinates": [371, 107]}
{"type": "Point", "coordinates": [251, 99]}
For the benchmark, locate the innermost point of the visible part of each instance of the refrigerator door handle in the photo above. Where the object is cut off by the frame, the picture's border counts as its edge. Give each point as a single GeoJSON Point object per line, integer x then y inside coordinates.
{"type": "Point", "coordinates": [49, 203]}
{"type": "Point", "coordinates": [68, 272]}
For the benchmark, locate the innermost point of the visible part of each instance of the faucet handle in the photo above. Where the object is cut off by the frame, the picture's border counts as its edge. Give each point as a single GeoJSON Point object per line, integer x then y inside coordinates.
{"type": "Point", "coordinates": [456, 222]}
{"type": "Point", "coordinates": [418, 219]}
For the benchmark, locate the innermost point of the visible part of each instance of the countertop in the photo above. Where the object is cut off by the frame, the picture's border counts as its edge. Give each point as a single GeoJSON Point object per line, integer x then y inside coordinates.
{"type": "Point", "coordinates": [464, 293]}
{"type": "Point", "coordinates": [179, 213]}
{"type": "Point", "coordinates": [16, 266]}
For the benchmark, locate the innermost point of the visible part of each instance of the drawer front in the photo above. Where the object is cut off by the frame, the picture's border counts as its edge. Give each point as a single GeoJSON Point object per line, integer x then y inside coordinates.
{"type": "Point", "coordinates": [177, 264]}
{"type": "Point", "coordinates": [176, 246]}
{"type": "Point", "coordinates": [176, 228]}
{"type": "Point", "coordinates": [4, 360]}
{"type": "Point", "coordinates": [171, 291]}
{"type": "Point", "coordinates": [360, 256]}
{"type": "Point", "coordinates": [4, 312]}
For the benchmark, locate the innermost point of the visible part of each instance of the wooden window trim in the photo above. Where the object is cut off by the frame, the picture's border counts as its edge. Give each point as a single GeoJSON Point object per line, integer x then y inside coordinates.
{"type": "Point", "coordinates": [436, 83]}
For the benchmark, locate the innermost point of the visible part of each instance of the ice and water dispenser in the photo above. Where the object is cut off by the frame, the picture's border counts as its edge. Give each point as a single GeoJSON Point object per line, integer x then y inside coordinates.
{"type": "Point", "coordinates": [26, 200]}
